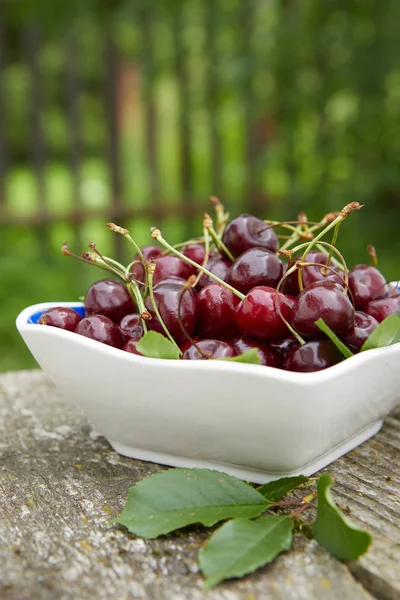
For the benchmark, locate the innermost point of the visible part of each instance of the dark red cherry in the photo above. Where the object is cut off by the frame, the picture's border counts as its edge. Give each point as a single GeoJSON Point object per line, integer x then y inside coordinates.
{"type": "Point", "coordinates": [363, 326]}
{"type": "Point", "coordinates": [325, 300]}
{"type": "Point", "coordinates": [216, 312]}
{"type": "Point", "coordinates": [167, 296]}
{"type": "Point", "coordinates": [110, 298]}
{"type": "Point", "coordinates": [187, 343]}
{"type": "Point", "coordinates": [283, 346]}
{"type": "Point", "coordinates": [195, 252]}
{"type": "Point", "coordinates": [268, 356]}
{"type": "Point", "coordinates": [312, 356]}
{"type": "Point", "coordinates": [148, 252]}
{"type": "Point", "coordinates": [380, 309]}
{"type": "Point", "coordinates": [131, 346]}
{"type": "Point", "coordinates": [61, 317]}
{"type": "Point", "coordinates": [173, 279]}
{"type": "Point", "coordinates": [257, 315]}
{"type": "Point", "coordinates": [101, 329]}
{"type": "Point", "coordinates": [366, 283]}
{"type": "Point", "coordinates": [312, 273]}
{"type": "Point", "coordinates": [253, 268]}
{"type": "Point", "coordinates": [171, 265]}
{"type": "Point", "coordinates": [211, 348]}
{"type": "Point", "coordinates": [131, 326]}
{"type": "Point", "coordinates": [245, 232]}
{"type": "Point", "coordinates": [219, 267]}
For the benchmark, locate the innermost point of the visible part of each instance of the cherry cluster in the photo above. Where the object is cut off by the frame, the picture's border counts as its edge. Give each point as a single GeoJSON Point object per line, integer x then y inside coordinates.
{"type": "Point", "coordinates": [234, 289]}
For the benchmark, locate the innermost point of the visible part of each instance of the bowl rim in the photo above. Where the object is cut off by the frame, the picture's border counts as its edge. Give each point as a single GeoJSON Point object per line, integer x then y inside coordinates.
{"type": "Point", "coordinates": [303, 379]}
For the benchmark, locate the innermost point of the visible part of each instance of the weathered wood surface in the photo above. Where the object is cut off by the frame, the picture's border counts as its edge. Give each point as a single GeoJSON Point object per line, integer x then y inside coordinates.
{"type": "Point", "coordinates": [61, 485]}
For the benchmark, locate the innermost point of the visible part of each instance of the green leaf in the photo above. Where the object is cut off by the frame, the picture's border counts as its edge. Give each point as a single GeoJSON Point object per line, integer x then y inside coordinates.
{"type": "Point", "coordinates": [275, 490]}
{"type": "Point", "coordinates": [241, 546]}
{"type": "Point", "coordinates": [250, 356]}
{"type": "Point", "coordinates": [384, 335]}
{"type": "Point", "coordinates": [334, 338]}
{"type": "Point", "coordinates": [155, 345]}
{"type": "Point", "coordinates": [333, 530]}
{"type": "Point", "coordinates": [178, 497]}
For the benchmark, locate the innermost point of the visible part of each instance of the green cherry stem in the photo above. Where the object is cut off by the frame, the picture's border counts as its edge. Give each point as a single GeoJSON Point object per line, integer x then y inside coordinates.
{"type": "Point", "coordinates": [208, 223]}
{"type": "Point", "coordinates": [151, 267]}
{"type": "Point", "coordinates": [136, 296]}
{"type": "Point", "coordinates": [126, 234]}
{"type": "Point", "coordinates": [156, 234]}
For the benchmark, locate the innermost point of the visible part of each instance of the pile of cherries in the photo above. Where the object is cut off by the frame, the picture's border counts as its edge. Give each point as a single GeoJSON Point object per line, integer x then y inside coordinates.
{"type": "Point", "coordinates": [259, 300]}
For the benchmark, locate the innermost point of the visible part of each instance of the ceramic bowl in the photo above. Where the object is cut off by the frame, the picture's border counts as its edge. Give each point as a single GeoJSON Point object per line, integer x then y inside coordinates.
{"type": "Point", "coordinates": [257, 423]}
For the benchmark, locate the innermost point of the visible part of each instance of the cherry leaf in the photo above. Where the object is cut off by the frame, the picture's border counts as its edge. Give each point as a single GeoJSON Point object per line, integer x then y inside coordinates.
{"type": "Point", "coordinates": [175, 498]}
{"type": "Point", "coordinates": [275, 490]}
{"type": "Point", "coordinates": [250, 356]}
{"type": "Point", "coordinates": [385, 334]}
{"type": "Point", "coordinates": [347, 353]}
{"type": "Point", "coordinates": [241, 546]}
{"type": "Point", "coordinates": [155, 345]}
{"type": "Point", "coordinates": [333, 530]}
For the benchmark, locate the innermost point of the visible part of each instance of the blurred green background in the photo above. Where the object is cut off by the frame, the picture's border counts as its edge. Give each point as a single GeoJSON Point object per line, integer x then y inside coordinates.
{"type": "Point", "coordinates": [138, 111]}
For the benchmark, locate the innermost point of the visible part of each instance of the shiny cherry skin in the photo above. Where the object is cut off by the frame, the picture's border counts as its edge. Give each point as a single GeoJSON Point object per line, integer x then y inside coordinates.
{"type": "Point", "coordinates": [131, 346]}
{"type": "Point", "coordinates": [148, 252]}
{"type": "Point", "coordinates": [110, 298]}
{"type": "Point", "coordinates": [245, 232]}
{"type": "Point", "coordinates": [366, 284]}
{"type": "Point", "coordinates": [212, 349]}
{"type": "Point", "coordinates": [101, 329]}
{"type": "Point", "coordinates": [325, 300]}
{"type": "Point", "coordinates": [195, 252]}
{"type": "Point", "coordinates": [167, 297]}
{"type": "Point", "coordinates": [257, 316]}
{"type": "Point", "coordinates": [268, 356]}
{"type": "Point", "coordinates": [173, 279]}
{"type": "Point", "coordinates": [171, 265]}
{"type": "Point", "coordinates": [364, 325]}
{"type": "Point", "coordinates": [61, 317]}
{"type": "Point", "coordinates": [283, 346]}
{"type": "Point", "coordinates": [131, 326]}
{"type": "Point", "coordinates": [216, 312]}
{"type": "Point", "coordinates": [312, 273]}
{"type": "Point", "coordinates": [187, 343]}
{"type": "Point", "coordinates": [255, 267]}
{"type": "Point", "coordinates": [312, 356]}
{"type": "Point", "coordinates": [218, 266]}
{"type": "Point", "coordinates": [380, 309]}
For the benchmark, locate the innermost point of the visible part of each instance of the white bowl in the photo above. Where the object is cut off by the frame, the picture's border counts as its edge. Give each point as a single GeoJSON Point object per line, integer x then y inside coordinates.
{"type": "Point", "coordinates": [257, 423]}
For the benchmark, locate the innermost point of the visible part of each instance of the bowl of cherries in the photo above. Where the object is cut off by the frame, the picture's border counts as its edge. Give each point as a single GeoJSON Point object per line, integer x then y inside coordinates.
{"type": "Point", "coordinates": [253, 349]}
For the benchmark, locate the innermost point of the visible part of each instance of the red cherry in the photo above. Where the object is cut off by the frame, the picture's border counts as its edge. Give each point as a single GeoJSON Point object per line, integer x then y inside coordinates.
{"type": "Point", "coordinates": [195, 252]}
{"type": "Point", "coordinates": [268, 356]}
{"type": "Point", "coordinates": [101, 329]}
{"type": "Point", "coordinates": [61, 317]}
{"type": "Point", "coordinates": [148, 252]}
{"type": "Point", "coordinates": [257, 315]}
{"type": "Point", "coordinates": [131, 326]}
{"type": "Point", "coordinates": [312, 356]}
{"type": "Point", "coordinates": [218, 266]}
{"type": "Point", "coordinates": [131, 346]}
{"type": "Point", "coordinates": [245, 232]}
{"type": "Point", "coordinates": [216, 312]}
{"type": "Point", "coordinates": [380, 309]}
{"type": "Point", "coordinates": [311, 274]}
{"type": "Point", "coordinates": [366, 283]}
{"type": "Point", "coordinates": [212, 348]}
{"type": "Point", "coordinates": [110, 298]}
{"type": "Point", "coordinates": [283, 346]}
{"type": "Point", "coordinates": [363, 327]}
{"type": "Point", "coordinates": [324, 300]}
{"type": "Point", "coordinates": [253, 268]}
{"type": "Point", "coordinates": [170, 265]}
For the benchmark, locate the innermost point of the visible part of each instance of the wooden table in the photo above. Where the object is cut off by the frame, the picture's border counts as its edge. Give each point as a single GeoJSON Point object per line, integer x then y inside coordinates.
{"type": "Point", "coordinates": [61, 484]}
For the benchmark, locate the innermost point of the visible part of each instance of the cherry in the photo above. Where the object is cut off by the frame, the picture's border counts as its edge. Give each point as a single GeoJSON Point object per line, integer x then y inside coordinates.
{"type": "Point", "coordinates": [283, 346]}
{"type": "Point", "coordinates": [195, 252]}
{"type": "Point", "coordinates": [148, 252]}
{"type": "Point", "coordinates": [255, 267]}
{"type": "Point", "coordinates": [216, 312]}
{"type": "Point", "coordinates": [311, 274]}
{"type": "Point", "coordinates": [187, 343]}
{"type": "Point", "coordinates": [312, 356]}
{"type": "Point", "coordinates": [101, 329]}
{"type": "Point", "coordinates": [167, 296]}
{"type": "Point", "coordinates": [256, 315]}
{"type": "Point", "coordinates": [61, 317]}
{"type": "Point", "coordinates": [326, 300]}
{"type": "Point", "coordinates": [173, 279]}
{"type": "Point", "coordinates": [212, 349]}
{"type": "Point", "coordinates": [380, 309]}
{"type": "Point", "coordinates": [363, 326]}
{"type": "Point", "coordinates": [268, 356]}
{"type": "Point", "coordinates": [245, 232]}
{"type": "Point", "coordinates": [110, 298]}
{"type": "Point", "coordinates": [170, 265]}
{"type": "Point", "coordinates": [218, 266]}
{"type": "Point", "coordinates": [131, 326]}
{"type": "Point", "coordinates": [131, 346]}
{"type": "Point", "coordinates": [366, 283]}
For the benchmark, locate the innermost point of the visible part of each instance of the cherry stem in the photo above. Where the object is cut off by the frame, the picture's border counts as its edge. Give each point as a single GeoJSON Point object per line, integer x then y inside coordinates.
{"type": "Point", "coordinates": [216, 239]}
{"type": "Point", "coordinates": [372, 252]}
{"type": "Point", "coordinates": [116, 267]}
{"type": "Point", "coordinates": [206, 254]}
{"type": "Point", "coordinates": [278, 308]}
{"type": "Point", "coordinates": [222, 216]}
{"type": "Point", "coordinates": [156, 234]}
{"type": "Point", "coordinates": [306, 503]}
{"type": "Point", "coordinates": [188, 285]}
{"type": "Point", "coordinates": [126, 234]}
{"type": "Point", "coordinates": [136, 296]}
{"type": "Point", "coordinates": [151, 267]}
